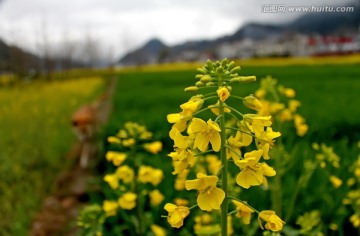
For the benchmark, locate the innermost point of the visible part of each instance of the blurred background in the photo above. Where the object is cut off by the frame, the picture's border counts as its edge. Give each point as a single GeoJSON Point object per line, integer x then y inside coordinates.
{"type": "Point", "coordinates": [57, 35]}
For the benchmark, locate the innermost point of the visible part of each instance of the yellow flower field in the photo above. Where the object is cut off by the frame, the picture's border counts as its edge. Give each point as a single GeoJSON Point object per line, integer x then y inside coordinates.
{"type": "Point", "coordinates": [35, 134]}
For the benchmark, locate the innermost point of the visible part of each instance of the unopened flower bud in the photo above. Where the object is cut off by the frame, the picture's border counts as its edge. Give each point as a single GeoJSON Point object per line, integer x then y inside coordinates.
{"type": "Point", "coordinates": [233, 70]}
{"type": "Point", "coordinates": [206, 79]}
{"type": "Point", "coordinates": [191, 89]}
{"type": "Point", "coordinates": [199, 76]}
{"type": "Point", "coordinates": [199, 84]}
{"type": "Point", "coordinates": [243, 79]}
{"type": "Point", "coordinates": [201, 70]}
{"type": "Point", "coordinates": [220, 70]}
{"type": "Point", "coordinates": [210, 84]}
{"type": "Point", "coordinates": [252, 102]}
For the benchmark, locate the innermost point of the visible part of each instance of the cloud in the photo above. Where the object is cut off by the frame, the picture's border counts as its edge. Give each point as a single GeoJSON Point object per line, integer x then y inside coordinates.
{"type": "Point", "coordinates": [122, 25]}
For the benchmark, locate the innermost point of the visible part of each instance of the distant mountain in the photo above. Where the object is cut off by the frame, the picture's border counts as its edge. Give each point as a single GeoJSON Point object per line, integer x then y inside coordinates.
{"type": "Point", "coordinates": [153, 50]}
{"type": "Point", "coordinates": [327, 22]}
{"type": "Point", "coordinates": [311, 23]}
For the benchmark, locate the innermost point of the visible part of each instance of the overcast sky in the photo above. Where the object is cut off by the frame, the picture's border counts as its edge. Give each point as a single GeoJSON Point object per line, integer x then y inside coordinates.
{"type": "Point", "coordinates": [121, 25]}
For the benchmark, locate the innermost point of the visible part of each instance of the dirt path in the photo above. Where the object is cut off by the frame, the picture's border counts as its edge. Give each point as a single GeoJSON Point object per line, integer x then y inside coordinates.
{"type": "Point", "coordinates": [60, 209]}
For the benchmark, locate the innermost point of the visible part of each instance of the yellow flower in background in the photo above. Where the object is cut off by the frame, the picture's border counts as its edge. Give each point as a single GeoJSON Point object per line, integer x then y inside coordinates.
{"type": "Point", "coordinates": [252, 172]}
{"type": "Point", "coordinates": [157, 230]}
{"type": "Point", "coordinates": [113, 139]}
{"type": "Point", "coordinates": [147, 174]}
{"type": "Point", "coordinates": [300, 125]}
{"type": "Point", "coordinates": [289, 92]}
{"type": "Point", "coordinates": [153, 147]}
{"type": "Point", "coordinates": [260, 93]}
{"type": "Point", "coordinates": [181, 202]}
{"type": "Point", "coordinates": [223, 93]}
{"type": "Point", "coordinates": [355, 220]}
{"type": "Point", "coordinates": [273, 222]}
{"type": "Point", "coordinates": [252, 102]}
{"type": "Point", "coordinates": [127, 201]}
{"type": "Point", "coordinates": [214, 164]}
{"type": "Point", "coordinates": [177, 214]}
{"type": "Point", "coordinates": [204, 133]}
{"type": "Point", "coordinates": [128, 142]}
{"type": "Point", "coordinates": [117, 158]}
{"type": "Point", "coordinates": [125, 173]}
{"type": "Point", "coordinates": [112, 180]}
{"type": "Point", "coordinates": [156, 197]}
{"type": "Point", "coordinates": [110, 207]}
{"type": "Point", "coordinates": [210, 197]}
{"type": "Point", "coordinates": [244, 212]}
{"type": "Point", "coordinates": [335, 181]}
{"type": "Point", "coordinates": [293, 105]}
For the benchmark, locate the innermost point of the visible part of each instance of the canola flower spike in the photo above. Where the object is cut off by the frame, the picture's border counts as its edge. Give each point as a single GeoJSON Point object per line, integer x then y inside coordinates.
{"type": "Point", "coordinates": [192, 134]}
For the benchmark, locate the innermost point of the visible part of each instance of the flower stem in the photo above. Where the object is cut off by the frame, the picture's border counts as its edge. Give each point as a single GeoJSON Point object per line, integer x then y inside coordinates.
{"type": "Point", "coordinates": [224, 173]}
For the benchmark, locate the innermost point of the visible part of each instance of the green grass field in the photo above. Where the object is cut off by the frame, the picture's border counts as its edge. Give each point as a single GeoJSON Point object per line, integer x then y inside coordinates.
{"type": "Point", "coordinates": [328, 94]}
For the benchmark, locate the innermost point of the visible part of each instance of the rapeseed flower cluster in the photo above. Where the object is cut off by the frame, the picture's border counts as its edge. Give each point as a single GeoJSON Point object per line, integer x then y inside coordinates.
{"type": "Point", "coordinates": [132, 181]}
{"type": "Point", "coordinates": [279, 102]}
{"type": "Point", "coordinates": [226, 136]}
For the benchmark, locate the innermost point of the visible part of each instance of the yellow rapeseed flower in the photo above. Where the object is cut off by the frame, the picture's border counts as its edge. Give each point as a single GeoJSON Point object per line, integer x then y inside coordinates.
{"type": "Point", "coordinates": [125, 173]}
{"type": "Point", "coordinates": [215, 108]}
{"type": "Point", "coordinates": [127, 201]}
{"type": "Point", "coordinates": [223, 93]}
{"type": "Point", "coordinates": [153, 147]}
{"type": "Point", "coordinates": [244, 212]}
{"type": "Point", "coordinates": [117, 158]}
{"type": "Point", "coordinates": [156, 197]}
{"type": "Point", "coordinates": [177, 214]}
{"type": "Point", "coordinates": [147, 174]}
{"type": "Point", "coordinates": [273, 222]}
{"type": "Point", "coordinates": [110, 207]}
{"type": "Point", "coordinates": [335, 181]}
{"type": "Point", "coordinates": [252, 172]}
{"type": "Point", "coordinates": [205, 132]}
{"type": "Point", "coordinates": [112, 180]}
{"type": "Point", "coordinates": [157, 230]}
{"type": "Point", "coordinates": [210, 197]}
{"type": "Point", "coordinates": [252, 102]}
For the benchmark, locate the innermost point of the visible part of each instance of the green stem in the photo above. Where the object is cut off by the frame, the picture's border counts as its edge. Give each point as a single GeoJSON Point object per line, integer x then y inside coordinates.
{"type": "Point", "coordinates": [224, 173]}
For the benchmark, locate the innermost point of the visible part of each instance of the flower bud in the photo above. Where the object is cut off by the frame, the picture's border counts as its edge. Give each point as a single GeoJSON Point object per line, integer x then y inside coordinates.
{"type": "Point", "coordinates": [199, 84]}
{"type": "Point", "coordinates": [233, 70]}
{"type": "Point", "coordinates": [243, 79]}
{"type": "Point", "coordinates": [210, 84]}
{"type": "Point", "coordinates": [199, 76]}
{"type": "Point", "coordinates": [191, 89]}
{"type": "Point", "coordinates": [201, 70]}
{"type": "Point", "coordinates": [206, 79]}
{"type": "Point", "coordinates": [252, 102]}
{"type": "Point", "coordinates": [220, 70]}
